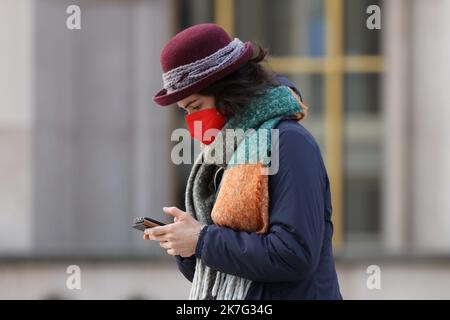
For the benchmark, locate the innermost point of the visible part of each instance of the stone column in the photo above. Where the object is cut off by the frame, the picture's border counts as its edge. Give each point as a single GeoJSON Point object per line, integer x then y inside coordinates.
{"type": "Point", "coordinates": [15, 126]}
{"type": "Point", "coordinates": [430, 108]}
{"type": "Point", "coordinates": [397, 180]}
{"type": "Point", "coordinates": [100, 146]}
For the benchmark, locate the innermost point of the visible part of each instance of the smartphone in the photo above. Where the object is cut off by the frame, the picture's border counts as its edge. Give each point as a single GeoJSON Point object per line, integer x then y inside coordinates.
{"type": "Point", "coordinates": [143, 223]}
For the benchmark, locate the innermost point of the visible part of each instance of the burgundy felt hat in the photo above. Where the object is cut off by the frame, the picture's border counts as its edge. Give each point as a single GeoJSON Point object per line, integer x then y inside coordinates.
{"type": "Point", "coordinates": [197, 57]}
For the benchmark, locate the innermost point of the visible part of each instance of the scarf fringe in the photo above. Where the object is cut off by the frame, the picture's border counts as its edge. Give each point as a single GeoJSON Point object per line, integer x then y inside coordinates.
{"type": "Point", "coordinates": [224, 286]}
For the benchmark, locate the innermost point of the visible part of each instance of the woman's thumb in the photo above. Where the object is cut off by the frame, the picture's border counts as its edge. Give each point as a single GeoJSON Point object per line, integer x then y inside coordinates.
{"type": "Point", "coordinates": [174, 212]}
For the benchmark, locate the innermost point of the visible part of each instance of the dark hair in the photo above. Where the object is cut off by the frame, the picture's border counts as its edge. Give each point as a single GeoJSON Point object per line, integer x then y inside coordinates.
{"type": "Point", "coordinates": [233, 92]}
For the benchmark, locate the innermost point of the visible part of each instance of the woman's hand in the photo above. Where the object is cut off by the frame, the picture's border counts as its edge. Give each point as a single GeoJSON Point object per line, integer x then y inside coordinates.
{"type": "Point", "coordinates": [180, 237]}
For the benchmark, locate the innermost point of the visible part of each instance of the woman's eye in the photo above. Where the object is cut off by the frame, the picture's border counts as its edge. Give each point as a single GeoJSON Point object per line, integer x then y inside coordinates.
{"type": "Point", "coordinates": [196, 108]}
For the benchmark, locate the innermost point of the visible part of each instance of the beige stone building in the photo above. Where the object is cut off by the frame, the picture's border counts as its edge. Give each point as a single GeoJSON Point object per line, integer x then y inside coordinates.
{"type": "Point", "coordinates": [84, 150]}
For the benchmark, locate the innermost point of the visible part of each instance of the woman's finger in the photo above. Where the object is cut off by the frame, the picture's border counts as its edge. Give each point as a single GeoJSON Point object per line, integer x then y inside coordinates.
{"type": "Point", "coordinates": [160, 238]}
{"type": "Point", "coordinates": [171, 252]}
{"type": "Point", "coordinates": [158, 231]}
{"type": "Point", "coordinates": [174, 211]}
{"type": "Point", "coordinates": [150, 235]}
{"type": "Point", "coordinates": [165, 244]}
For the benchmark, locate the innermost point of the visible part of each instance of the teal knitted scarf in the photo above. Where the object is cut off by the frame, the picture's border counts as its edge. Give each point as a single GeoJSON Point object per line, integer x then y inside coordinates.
{"type": "Point", "coordinates": [263, 112]}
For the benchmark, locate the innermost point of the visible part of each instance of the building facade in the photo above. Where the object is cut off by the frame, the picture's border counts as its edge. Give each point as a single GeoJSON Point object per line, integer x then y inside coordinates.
{"type": "Point", "coordinates": [85, 150]}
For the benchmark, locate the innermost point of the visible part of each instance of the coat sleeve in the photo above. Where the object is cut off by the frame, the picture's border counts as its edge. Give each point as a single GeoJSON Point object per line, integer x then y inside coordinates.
{"type": "Point", "coordinates": [186, 265]}
{"type": "Point", "coordinates": [291, 249]}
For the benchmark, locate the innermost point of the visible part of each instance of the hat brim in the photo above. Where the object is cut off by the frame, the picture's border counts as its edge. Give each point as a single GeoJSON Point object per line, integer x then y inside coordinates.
{"type": "Point", "coordinates": [163, 98]}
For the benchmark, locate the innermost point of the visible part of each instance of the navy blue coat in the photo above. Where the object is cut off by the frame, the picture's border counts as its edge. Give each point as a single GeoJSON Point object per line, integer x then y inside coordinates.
{"type": "Point", "coordinates": [294, 260]}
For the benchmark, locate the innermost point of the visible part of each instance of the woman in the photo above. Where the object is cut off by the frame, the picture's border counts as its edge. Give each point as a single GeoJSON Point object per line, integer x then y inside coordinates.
{"type": "Point", "coordinates": [245, 234]}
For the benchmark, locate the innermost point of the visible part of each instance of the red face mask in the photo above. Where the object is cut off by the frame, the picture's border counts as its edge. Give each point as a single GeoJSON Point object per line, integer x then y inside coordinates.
{"type": "Point", "coordinates": [205, 124]}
